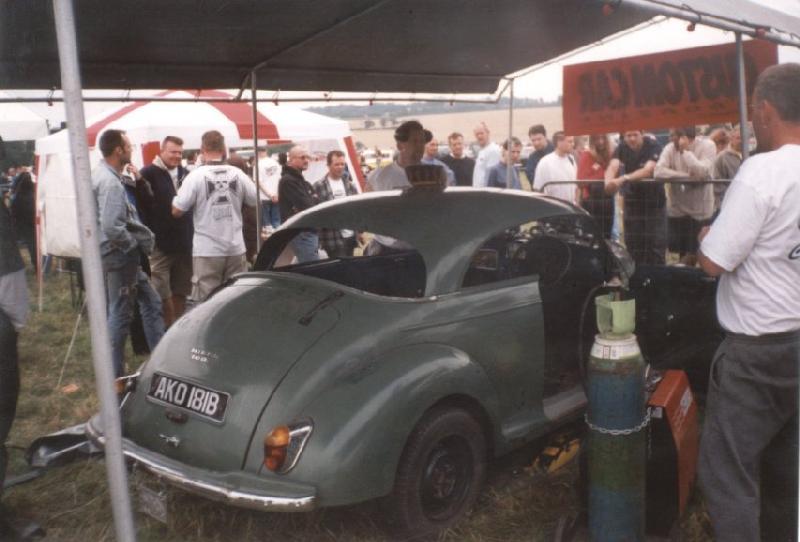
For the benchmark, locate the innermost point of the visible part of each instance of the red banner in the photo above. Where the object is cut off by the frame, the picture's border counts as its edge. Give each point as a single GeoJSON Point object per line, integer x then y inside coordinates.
{"type": "Point", "coordinates": [676, 88]}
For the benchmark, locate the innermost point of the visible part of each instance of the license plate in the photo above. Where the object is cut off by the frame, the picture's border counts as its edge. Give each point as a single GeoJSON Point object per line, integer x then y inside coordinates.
{"type": "Point", "coordinates": [203, 401]}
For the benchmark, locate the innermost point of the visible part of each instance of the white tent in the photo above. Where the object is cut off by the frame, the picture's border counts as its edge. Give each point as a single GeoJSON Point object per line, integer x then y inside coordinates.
{"type": "Point", "coordinates": [18, 123]}
{"type": "Point", "coordinates": [147, 123]}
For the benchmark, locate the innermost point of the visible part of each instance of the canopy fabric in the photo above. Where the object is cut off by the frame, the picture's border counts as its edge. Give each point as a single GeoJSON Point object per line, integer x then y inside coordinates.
{"type": "Point", "coordinates": [18, 123]}
{"type": "Point", "coordinates": [445, 46]}
{"type": "Point", "coordinates": [747, 13]}
{"type": "Point", "coordinates": [349, 45]}
{"type": "Point", "coordinates": [147, 123]}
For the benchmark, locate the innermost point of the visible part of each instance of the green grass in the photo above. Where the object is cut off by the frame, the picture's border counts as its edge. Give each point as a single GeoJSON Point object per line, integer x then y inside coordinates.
{"type": "Point", "coordinates": [72, 502]}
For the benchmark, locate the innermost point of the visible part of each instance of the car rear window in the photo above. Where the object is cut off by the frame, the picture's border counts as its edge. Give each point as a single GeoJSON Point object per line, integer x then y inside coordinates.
{"type": "Point", "coordinates": [378, 265]}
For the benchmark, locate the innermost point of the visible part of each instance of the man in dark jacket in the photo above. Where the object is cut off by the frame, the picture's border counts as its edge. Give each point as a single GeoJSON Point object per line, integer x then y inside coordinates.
{"type": "Point", "coordinates": [541, 148]}
{"type": "Point", "coordinates": [171, 260]}
{"type": "Point", "coordinates": [295, 195]}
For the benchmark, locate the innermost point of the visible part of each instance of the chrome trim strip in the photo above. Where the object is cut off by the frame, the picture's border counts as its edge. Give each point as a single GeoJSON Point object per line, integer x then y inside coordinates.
{"type": "Point", "coordinates": [232, 496]}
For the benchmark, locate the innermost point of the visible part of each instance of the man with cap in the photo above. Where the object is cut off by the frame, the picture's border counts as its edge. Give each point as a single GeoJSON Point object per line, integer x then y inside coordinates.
{"type": "Point", "coordinates": [410, 138]}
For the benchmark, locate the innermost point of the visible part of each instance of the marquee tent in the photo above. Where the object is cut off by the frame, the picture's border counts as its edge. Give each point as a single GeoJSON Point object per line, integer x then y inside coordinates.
{"type": "Point", "coordinates": [18, 123]}
{"type": "Point", "coordinates": [147, 123]}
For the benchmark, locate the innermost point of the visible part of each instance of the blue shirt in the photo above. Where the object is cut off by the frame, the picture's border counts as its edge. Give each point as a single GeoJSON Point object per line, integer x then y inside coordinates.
{"type": "Point", "coordinates": [496, 177]}
{"type": "Point", "coordinates": [451, 177]}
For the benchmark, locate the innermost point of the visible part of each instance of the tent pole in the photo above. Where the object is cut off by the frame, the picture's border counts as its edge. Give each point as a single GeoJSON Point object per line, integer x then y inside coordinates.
{"type": "Point", "coordinates": [254, 97]}
{"type": "Point", "coordinates": [510, 164]}
{"type": "Point", "coordinates": [740, 74]}
{"type": "Point", "coordinates": [92, 270]}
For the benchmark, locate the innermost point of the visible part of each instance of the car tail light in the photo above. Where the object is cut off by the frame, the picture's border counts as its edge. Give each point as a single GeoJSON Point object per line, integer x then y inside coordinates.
{"type": "Point", "coordinates": [284, 444]}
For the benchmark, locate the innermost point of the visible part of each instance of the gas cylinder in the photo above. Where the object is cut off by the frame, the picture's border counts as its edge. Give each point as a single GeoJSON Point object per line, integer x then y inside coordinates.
{"type": "Point", "coordinates": [616, 418]}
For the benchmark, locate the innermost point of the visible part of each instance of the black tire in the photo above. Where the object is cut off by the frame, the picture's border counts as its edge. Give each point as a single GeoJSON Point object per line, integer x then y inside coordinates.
{"type": "Point", "coordinates": [440, 473]}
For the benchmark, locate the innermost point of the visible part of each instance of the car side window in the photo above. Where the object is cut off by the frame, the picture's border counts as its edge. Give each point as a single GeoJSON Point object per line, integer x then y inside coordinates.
{"type": "Point", "coordinates": [540, 249]}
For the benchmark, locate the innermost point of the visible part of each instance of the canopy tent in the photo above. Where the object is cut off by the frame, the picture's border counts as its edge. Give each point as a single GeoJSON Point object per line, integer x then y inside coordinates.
{"type": "Point", "coordinates": [447, 46]}
{"type": "Point", "coordinates": [18, 123]}
{"type": "Point", "coordinates": [147, 123]}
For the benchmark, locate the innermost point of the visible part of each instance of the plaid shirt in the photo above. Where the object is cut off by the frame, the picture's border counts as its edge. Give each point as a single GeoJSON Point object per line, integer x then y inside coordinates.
{"type": "Point", "coordinates": [331, 240]}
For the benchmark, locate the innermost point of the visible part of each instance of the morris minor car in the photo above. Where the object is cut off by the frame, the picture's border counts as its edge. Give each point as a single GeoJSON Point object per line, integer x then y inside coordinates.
{"type": "Point", "coordinates": [396, 373]}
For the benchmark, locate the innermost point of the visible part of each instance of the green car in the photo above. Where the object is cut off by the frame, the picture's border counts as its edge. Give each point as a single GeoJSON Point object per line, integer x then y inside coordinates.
{"type": "Point", "coordinates": [456, 336]}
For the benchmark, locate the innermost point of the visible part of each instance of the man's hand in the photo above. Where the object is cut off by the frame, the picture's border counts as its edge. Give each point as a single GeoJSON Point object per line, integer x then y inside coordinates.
{"type": "Point", "coordinates": [177, 213]}
{"type": "Point", "coordinates": [614, 184]}
{"type": "Point", "coordinates": [274, 199]}
{"type": "Point", "coordinates": [133, 171]}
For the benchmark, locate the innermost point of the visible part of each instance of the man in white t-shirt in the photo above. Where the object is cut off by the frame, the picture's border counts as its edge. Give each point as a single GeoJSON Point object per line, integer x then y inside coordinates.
{"type": "Point", "coordinates": [269, 173]}
{"type": "Point", "coordinates": [410, 138]}
{"type": "Point", "coordinates": [336, 243]}
{"type": "Point", "coordinates": [558, 166]}
{"type": "Point", "coordinates": [488, 156]}
{"type": "Point", "coordinates": [754, 247]}
{"type": "Point", "coordinates": [215, 193]}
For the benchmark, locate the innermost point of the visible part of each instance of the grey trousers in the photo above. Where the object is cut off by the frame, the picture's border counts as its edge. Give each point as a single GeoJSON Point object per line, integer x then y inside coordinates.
{"type": "Point", "coordinates": [208, 272]}
{"type": "Point", "coordinates": [9, 387]}
{"type": "Point", "coordinates": [753, 393]}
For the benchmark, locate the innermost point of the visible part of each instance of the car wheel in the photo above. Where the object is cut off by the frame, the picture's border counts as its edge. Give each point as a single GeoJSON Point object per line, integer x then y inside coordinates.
{"type": "Point", "coordinates": [440, 474]}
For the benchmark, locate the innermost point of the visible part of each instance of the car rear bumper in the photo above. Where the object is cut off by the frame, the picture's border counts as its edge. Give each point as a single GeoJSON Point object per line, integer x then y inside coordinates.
{"type": "Point", "coordinates": [237, 488]}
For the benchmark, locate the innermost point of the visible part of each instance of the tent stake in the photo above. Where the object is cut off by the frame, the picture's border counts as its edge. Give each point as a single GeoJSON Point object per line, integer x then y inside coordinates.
{"type": "Point", "coordinates": [92, 270]}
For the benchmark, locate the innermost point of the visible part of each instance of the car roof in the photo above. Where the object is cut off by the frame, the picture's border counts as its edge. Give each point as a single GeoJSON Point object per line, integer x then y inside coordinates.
{"type": "Point", "coordinates": [445, 227]}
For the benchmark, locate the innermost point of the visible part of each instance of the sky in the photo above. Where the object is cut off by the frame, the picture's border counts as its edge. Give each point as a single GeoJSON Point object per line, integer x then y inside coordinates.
{"type": "Point", "coordinates": [544, 83]}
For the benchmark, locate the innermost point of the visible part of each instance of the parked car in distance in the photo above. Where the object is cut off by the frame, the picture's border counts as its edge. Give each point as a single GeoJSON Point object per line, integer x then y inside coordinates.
{"type": "Point", "coordinates": [397, 374]}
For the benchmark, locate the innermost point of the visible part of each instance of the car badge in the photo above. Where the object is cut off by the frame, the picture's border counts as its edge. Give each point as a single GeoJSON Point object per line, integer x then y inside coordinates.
{"type": "Point", "coordinates": [203, 356]}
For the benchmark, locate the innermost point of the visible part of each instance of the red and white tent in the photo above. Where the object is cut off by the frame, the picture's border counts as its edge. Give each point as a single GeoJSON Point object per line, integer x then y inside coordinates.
{"type": "Point", "coordinates": [18, 123]}
{"type": "Point", "coordinates": [147, 123]}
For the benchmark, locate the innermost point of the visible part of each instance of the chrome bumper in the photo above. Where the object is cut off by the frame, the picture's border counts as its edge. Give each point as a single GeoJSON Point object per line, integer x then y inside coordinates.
{"type": "Point", "coordinates": [236, 488]}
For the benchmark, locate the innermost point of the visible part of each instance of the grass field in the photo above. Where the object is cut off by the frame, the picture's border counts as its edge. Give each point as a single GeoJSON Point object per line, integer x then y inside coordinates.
{"type": "Point", "coordinates": [72, 502]}
{"type": "Point", "coordinates": [444, 124]}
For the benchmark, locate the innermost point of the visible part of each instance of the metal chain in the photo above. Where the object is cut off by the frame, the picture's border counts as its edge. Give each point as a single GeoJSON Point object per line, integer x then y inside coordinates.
{"type": "Point", "coordinates": [619, 432]}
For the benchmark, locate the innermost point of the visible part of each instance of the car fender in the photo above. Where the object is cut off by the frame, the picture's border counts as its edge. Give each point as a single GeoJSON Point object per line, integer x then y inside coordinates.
{"type": "Point", "coordinates": [363, 419]}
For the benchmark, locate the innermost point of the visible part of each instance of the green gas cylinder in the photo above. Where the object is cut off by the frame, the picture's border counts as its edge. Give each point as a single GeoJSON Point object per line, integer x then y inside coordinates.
{"type": "Point", "coordinates": [617, 419]}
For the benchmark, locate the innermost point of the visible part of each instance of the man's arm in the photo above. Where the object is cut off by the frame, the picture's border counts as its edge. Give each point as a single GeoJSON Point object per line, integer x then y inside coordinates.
{"type": "Point", "coordinates": [707, 264]}
{"type": "Point", "coordinates": [113, 210]}
{"type": "Point", "coordinates": [662, 169]}
{"type": "Point", "coordinates": [184, 199]}
{"type": "Point", "coordinates": [612, 181]}
{"type": "Point", "coordinates": [701, 165]}
{"type": "Point", "coordinates": [250, 197]}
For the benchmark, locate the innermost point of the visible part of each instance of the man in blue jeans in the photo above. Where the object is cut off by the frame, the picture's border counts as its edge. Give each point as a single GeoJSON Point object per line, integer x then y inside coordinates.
{"type": "Point", "coordinates": [124, 240]}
